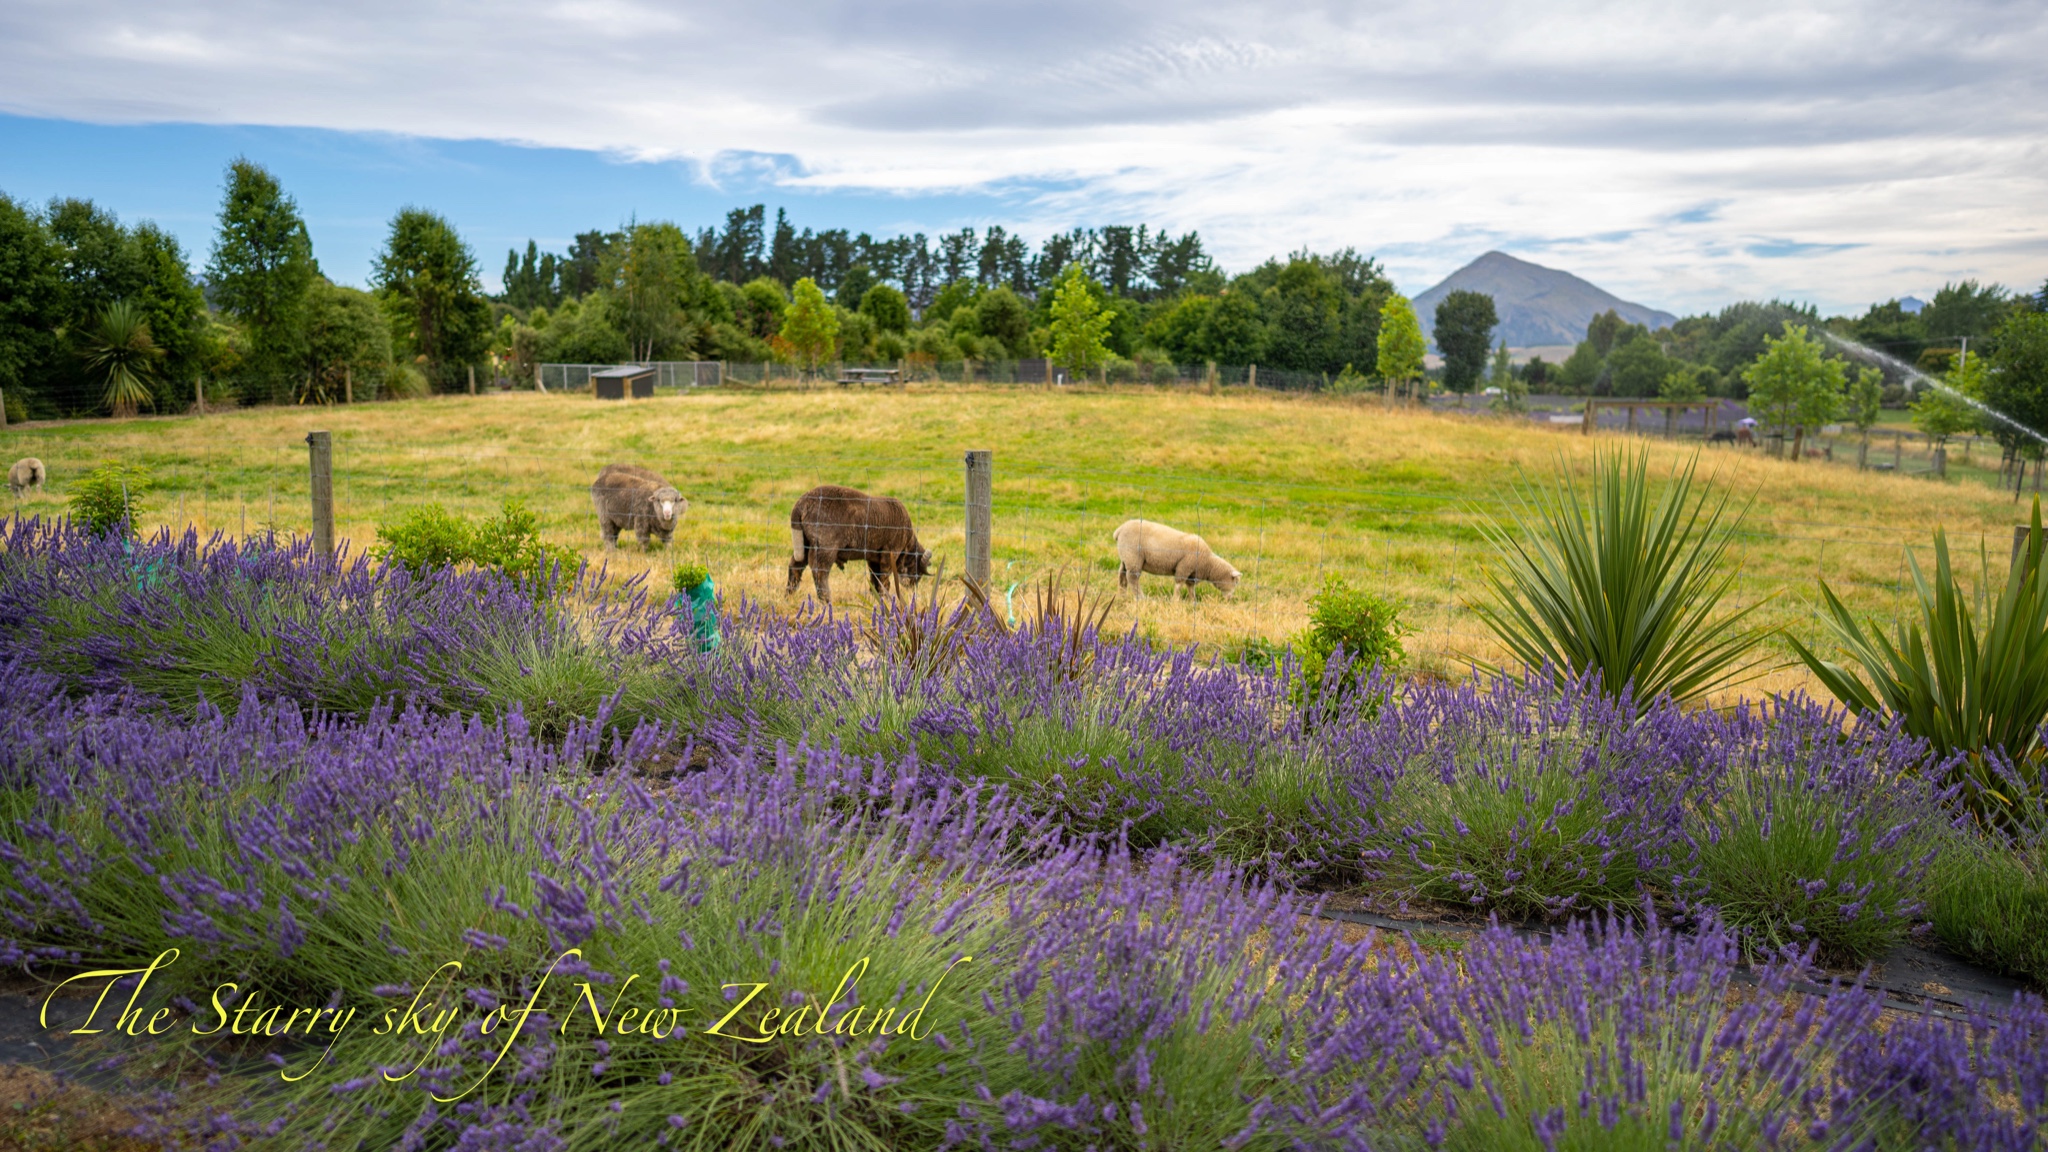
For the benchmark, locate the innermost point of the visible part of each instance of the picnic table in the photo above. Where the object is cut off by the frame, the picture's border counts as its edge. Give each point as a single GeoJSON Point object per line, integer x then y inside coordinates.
{"type": "Point", "coordinates": [869, 376]}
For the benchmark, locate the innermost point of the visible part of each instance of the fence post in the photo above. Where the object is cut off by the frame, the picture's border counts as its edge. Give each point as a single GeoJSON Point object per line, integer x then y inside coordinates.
{"type": "Point", "coordinates": [2019, 541]}
{"type": "Point", "coordinates": [1253, 381]}
{"type": "Point", "coordinates": [3, 407]}
{"type": "Point", "coordinates": [199, 394]}
{"type": "Point", "coordinates": [348, 384]}
{"type": "Point", "coordinates": [472, 379]}
{"type": "Point", "coordinates": [980, 516]}
{"type": "Point", "coordinates": [321, 445]}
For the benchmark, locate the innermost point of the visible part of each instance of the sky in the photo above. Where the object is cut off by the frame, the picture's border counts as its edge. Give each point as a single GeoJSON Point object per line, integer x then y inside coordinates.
{"type": "Point", "coordinates": [1682, 156]}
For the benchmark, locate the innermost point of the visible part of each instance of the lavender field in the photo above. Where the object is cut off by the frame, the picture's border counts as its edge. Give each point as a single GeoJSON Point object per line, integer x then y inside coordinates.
{"type": "Point", "coordinates": [921, 878]}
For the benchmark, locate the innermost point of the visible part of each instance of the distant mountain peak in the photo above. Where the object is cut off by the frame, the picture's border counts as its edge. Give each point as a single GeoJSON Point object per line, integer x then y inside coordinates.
{"type": "Point", "coordinates": [1536, 305]}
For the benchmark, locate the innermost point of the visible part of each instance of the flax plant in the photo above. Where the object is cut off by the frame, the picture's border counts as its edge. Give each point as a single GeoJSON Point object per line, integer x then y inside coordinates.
{"type": "Point", "coordinates": [1969, 675]}
{"type": "Point", "coordinates": [1612, 583]}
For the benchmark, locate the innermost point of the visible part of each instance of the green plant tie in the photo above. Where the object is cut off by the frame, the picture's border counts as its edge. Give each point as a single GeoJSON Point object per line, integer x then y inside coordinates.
{"type": "Point", "coordinates": [1009, 609]}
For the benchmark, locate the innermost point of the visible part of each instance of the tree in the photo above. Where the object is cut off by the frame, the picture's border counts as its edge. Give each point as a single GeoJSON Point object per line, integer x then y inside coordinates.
{"type": "Point", "coordinates": [118, 351]}
{"type": "Point", "coordinates": [1940, 414]}
{"type": "Point", "coordinates": [428, 281]}
{"type": "Point", "coordinates": [1965, 309]}
{"type": "Point", "coordinates": [1078, 324]}
{"type": "Point", "coordinates": [262, 268]}
{"type": "Point", "coordinates": [760, 307]}
{"type": "Point", "coordinates": [348, 344]}
{"type": "Point", "coordinates": [2017, 383]}
{"type": "Point", "coordinates": [1232, 332]}
{"type": "Point", "coordinates": [887, 307]}
{"type": "Point", "coordinates": [1604, 331]}
{"type": "Point", "coordinates": [1400, 343]}
{"type": "Point", "coordinates": [811, 327]}
{"type": "Point", "coordinates": [1514, 392]}
{"type": "Point", "coordinates": [1792, 379]}
{"type": "Point", "coordinates": [30, 290]}
{"type": "Point", "coordinates": [1861, 408]}
{"type": "Point", "coordinates": [1301, 310]}
{"type": "Point", "coordinates": [1002, 316]}
{"type": "Point", "coordinates": [1638, 367]}
{"type": "Point", "coordinates": [853, 287]}
{"type": "Point", "coordinates": [653, 278]}
{"type": "Point", "coordinates": [1575, 377]}
{"type": "Point", "coordinates": [1464, 333]}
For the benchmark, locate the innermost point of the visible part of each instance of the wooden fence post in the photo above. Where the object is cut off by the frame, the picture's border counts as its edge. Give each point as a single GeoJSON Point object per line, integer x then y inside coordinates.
{"type": "Point", "coordinates": [3, 407]}
{"type": "Point", "coordinates": [348, 384]}
{"type": "Point", "coordinates": [321, 445]}
{"type": "Point", "coordinates": [980, 516]}
{"type": "Point", "coordinates": [472, 379]}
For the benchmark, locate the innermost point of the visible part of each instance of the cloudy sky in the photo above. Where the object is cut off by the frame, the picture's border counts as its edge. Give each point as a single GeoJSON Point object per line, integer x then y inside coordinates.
{"type": "Point", "coordinates": [1682, 156]}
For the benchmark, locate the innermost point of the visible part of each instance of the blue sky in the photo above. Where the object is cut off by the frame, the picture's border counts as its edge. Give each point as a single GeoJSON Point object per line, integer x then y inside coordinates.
{"type": "Point", "coordinates": [1679, 155]}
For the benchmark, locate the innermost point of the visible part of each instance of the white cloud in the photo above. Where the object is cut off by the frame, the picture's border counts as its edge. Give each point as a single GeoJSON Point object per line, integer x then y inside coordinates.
{"type": "Point", "coordinates": [1845, 151]}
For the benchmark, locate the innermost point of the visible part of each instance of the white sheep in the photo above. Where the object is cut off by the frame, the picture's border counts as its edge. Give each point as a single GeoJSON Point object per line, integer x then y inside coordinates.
{"type": "Point", "coordinates": [1143, 547]}
{"type": "Point", "coordinates": [28, 472]}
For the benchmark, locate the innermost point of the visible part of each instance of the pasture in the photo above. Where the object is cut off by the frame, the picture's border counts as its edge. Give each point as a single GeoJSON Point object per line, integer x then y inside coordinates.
{"type": "Point", "coordinates": [1287, 487]}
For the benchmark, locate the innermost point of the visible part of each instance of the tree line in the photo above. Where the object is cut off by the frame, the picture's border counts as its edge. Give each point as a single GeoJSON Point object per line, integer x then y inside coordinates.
{"type": "Point", "coordinates": [98, 316]}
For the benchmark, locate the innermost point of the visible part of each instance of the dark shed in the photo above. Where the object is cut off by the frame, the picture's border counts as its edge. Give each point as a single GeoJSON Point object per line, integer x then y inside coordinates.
{"type": "Point", "coordinates": [622, 381]}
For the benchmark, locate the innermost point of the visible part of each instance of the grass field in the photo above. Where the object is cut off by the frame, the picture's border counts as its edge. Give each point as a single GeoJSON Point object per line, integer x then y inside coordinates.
{"type": "Point", "coordinates": [1289, 488]}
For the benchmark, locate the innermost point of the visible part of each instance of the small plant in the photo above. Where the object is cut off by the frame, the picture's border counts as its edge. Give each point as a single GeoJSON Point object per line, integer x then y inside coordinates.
{"type": "Point", "coordinates": [427, 538]}
{"type": "Point", "coordinates": [1612, 584]}
{"type": "Point", "coordinates": [1365, 628]}
{"type": "Point", "coordinates": [1349, 382]}
{"type": "Point", "coordinates": [109, 498]}
{"type": "Point", "coordinates": [1990, 904]}
{"type": "Point", "coordinates": [688, 576]}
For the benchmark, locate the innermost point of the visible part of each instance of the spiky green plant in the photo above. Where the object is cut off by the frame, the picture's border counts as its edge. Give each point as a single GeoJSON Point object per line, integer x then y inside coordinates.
{"type": "Point", "coordinates": [121, 354]}
{"type": "Point", "coordinates": [1612, 582]}
{"type": "Point", "coordinates": [1968, 675]}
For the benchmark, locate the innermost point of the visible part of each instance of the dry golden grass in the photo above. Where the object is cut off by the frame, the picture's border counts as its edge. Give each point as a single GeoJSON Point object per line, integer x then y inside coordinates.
{"type": "Point", "coordinates": [1289, 488]}
{"type": "Point", "coordinates": [40, 1113]}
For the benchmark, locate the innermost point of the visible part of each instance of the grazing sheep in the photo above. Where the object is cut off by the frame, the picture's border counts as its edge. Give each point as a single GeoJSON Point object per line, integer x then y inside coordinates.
{"type": "Point", "coordinates": [27, 473]}
{"type": "Point", "coordinates": [631, 497]}
{"type": "Point", "coordinates": [1143, 547]}
{"type": "Point", "coordinates": [831, 525]}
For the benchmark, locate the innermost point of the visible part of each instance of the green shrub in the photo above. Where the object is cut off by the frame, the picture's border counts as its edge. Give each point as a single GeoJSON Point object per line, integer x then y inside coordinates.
{"type": "Point", "coordinates": [429, 537]}
{"type": "Point", "coordinates": [433, 537]}
{"type": "Point", "coordinates": [1350, 382]}
{"type": "Point", "coordinates": [108, 498]}
{"type": "Point", "coordinates": [1989, 903]}
{"type": "Point", "coordinates": [1608, 583]}
{"type": "Point", "coordinates": [688, 576]}
{"type": "Point", "coordinates": [1365, 627]}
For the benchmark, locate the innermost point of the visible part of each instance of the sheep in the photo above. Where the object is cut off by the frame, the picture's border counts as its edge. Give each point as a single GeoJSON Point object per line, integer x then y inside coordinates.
{"type": "Point", "coordinates": [830, 525]}
{"type": "Point", "coordinates": [1144, 547]}
{"type": "Point", "coordinates": [27, 473]}
{"type": "Point", "coordinates": [628, 496]}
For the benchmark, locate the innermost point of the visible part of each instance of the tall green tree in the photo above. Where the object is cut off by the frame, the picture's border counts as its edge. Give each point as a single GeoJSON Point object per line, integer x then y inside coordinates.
{"type": "Point", "coordinates": [1580, 370]}
{"type": "Point", "coordinates": [1514, 391]}
{"type": "Point", "coordinates": [2017, 382]}
{"type": "Point", "coordinates": [1232, 332]}
{"type": "Point", "coordinates": [886, 305]}
{"type": "Point", "coordinates": [104, 262]}
{"type": "Point", "coordinates": [1302, 311]}
{"type": "Point", "coordinates": [261, 270]}
{"type": "Point", "coordinates": [30, 295]}
{"type": "Point", "coordinates": [427, 279]}
{"type": "Point", "coordinates": [1792, 380]}
{"type": "Point", "coordinates": [1078, 324]}
{"type": "Point", "coordinates": [654, 280]}
{"type": "Point", "coordinates": [1941, 414]}
{"type": "Point", "coordinates": [1002, 316]}
{"type": "Point", "coordinates": [1464, 333]}
{"type": "Point", "coordinates": [1638, 367]}
{"type": "Point", "coordinates": [1399, 354]}
{"type": "Point", "coordinates": [811, 327]}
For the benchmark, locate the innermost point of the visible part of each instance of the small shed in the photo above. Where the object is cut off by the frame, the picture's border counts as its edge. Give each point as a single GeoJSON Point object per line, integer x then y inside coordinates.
{"type": "Point", "coordinates": [623, 381]}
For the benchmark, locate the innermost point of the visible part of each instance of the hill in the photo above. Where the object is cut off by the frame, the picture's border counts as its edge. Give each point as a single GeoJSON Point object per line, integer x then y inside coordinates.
{"type": "Point", "coordinates": [1536, 305]}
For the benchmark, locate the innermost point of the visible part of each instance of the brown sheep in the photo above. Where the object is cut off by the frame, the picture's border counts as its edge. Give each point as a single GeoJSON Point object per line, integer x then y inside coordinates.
{"type": "Point", "coordinates": [631, 497]}
{"type": "Point", "coordinates": [27, 473]}
{"type": "Point", "coordinates": [1145, 547]}
{"type": "Point", "coordinates": [831, 525]}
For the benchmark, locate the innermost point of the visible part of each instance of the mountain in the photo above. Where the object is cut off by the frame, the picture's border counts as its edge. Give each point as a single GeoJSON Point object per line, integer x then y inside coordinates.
{"type": "Point", "coordinates": [1912, 304]}
{"type": "Point", "coordinates": [1536, 305]}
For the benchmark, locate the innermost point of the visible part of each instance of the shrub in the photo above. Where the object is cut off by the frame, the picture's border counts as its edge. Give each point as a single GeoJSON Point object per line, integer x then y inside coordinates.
{"type": "Point", "coordinates": [108, 498]}
{"type": "Point", "coordinates": [688, 576]}
{"type": "Point", "coordinates": [1611, 585]}
{"type": "Point", "coordinates": [432, 537]}
{"type": "Point", "coordinates": [427, 538]}
{"type": "Point", "coordinates": [1967, 679]}
{"type": "Point", "coordinates": [1365, 629]}
{"type": "Point", "coordinates": [1990, 904]}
